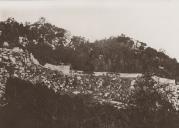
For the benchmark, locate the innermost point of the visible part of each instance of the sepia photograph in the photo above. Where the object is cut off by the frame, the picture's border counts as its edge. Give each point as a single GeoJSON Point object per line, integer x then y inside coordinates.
{"type": "Point", "coordinates": [89, 64]}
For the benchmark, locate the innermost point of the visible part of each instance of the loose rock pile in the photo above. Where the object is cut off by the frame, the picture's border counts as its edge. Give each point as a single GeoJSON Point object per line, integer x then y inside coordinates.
{"type": "Point", "coordinates": [104, 88]}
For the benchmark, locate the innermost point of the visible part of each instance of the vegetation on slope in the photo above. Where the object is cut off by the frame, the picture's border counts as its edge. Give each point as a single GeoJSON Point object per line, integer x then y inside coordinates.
{"type": "Point", "coordinates": [50, 44]}
{"type": "Point", "coordinates": [40, 98]}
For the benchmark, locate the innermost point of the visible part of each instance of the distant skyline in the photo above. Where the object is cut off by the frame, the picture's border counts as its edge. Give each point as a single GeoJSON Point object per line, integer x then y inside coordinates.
{"type": "Point", "coordinates": [153, 22]}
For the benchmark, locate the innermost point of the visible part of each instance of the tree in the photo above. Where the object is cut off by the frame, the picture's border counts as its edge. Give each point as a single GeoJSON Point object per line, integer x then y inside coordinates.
{"type": "Point", "coordinates": [150, 107]}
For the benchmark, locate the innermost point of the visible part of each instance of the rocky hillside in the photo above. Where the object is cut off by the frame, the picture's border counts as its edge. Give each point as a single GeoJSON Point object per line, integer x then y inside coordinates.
{"type": "Point", "coordinates": [96, 94]}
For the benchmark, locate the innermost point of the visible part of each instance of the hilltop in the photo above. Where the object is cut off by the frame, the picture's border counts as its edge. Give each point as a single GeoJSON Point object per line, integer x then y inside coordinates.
{"type": "Point", "coordinates": [51, 44]}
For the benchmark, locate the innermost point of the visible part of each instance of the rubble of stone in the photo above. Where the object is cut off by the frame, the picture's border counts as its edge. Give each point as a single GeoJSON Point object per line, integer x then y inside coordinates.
{"type": "Point", "coordinates": [104, 87]}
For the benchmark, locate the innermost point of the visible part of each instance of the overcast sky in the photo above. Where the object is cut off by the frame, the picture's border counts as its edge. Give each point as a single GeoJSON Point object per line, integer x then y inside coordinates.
{"type": "Point", "coordinates": [155, 22]}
